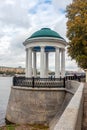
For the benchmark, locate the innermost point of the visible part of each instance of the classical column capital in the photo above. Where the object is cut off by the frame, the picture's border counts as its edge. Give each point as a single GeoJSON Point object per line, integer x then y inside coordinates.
{"type": "Point", "coordinates": [62, 49]}
{"type": "Point", "coordinates": [30, 48]}
{"type": "Point", "coordinates": [34, 52]}
{"type": "Point", "coordinates": [42, 48]}
{"type": "Point", "coordinates": [56, 48]}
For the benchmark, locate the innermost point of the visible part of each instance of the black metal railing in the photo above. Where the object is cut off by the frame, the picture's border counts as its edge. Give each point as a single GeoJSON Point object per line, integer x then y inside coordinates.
{"type": "Point", "coordinates": [39, 82]}
{"type": "Point", "coordinates": [44, 82]}
{"type": "Point", "coordinates": [75, 77]}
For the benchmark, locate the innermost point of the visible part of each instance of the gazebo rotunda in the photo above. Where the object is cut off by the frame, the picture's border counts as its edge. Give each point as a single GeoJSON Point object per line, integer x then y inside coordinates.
{"type": "Point", "coordinates": [45, 41]}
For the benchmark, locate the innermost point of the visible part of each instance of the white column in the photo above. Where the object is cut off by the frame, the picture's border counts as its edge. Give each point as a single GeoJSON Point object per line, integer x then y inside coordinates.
{"type": "Point", "coordinates": [34, 63]}
{"type": "Point", "coordinates": [62, 62]}
{"type": "Point", "coordinates": [57, 63]}
{"type": "Point", "coordinates": [46, 64]}
{"type": "Point", "coordinates": [26, 70]}
{"type": "Point", "coordinates": [29, 62]}
{"type": "Point", "coordinates": [42, 62]}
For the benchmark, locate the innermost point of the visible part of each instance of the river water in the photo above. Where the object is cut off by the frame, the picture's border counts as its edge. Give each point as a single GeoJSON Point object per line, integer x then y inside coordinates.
{"type": "Point", "coordinates": [5, 87]}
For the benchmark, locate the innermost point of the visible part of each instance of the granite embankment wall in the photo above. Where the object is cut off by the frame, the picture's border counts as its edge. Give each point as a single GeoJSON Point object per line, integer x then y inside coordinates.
{"type": "Point", "coordinates": [71, 118]}
{"type": "Point", "coordinates": [60, 108]}
{"type": "Point", "coordinates": [34, 105]}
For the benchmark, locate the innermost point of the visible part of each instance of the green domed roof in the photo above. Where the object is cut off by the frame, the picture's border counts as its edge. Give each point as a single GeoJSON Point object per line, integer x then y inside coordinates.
{"type": "Point", "coordinates": [45, 32]}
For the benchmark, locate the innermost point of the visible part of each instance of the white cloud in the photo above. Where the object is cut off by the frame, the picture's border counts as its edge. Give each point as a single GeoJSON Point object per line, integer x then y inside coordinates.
{"type": "Point", "coordinates": [61, 5]}
{"type": "Point", "coordinates": [4, 44]}
{"type": "Point", "coordinates": [20, 18]}
{"type": "Point", "coordinates": [13, 15]}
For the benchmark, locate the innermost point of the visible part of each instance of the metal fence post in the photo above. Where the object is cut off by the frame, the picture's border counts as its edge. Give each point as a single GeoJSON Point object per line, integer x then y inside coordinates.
{"type": "Point", "coordinates": [60, 78]}
{"type": "Point", "coordinates": [51, 77]}
{"type": "Point", "coordinates": [64, 82]}
{"type": "Point", "coordinates": [14, 80]}
{"type": "Point", "coordinates": [79, 78]}
{"type": "Point", "coordinates": [33, 82]}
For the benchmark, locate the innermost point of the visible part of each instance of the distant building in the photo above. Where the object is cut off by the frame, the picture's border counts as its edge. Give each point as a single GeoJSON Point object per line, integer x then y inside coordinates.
{"type": "Point", "coordinates": [18, 70]}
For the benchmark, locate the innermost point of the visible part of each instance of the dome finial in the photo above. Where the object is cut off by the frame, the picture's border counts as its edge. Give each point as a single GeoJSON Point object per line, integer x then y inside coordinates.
{"type": "Point", "coordinates": [45, 28]}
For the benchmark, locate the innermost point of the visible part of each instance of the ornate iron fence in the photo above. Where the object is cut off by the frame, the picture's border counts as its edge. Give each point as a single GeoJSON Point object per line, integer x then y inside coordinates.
{"type": "Point", "coordinates": [39, 82]}
{"type": "Point", "coordinates": [44, 82]}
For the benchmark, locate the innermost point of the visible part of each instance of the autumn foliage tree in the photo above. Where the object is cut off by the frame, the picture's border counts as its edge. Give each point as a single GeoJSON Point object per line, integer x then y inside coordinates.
{"type": "Point", "coordinates": [77, 31]}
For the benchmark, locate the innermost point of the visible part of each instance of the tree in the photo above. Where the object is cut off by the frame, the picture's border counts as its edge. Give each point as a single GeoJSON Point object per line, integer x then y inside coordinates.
{"type": "Point", "coordinates": [77, 31]}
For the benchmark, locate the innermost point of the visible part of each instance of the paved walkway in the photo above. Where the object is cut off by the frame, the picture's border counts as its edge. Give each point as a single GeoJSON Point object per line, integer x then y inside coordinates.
{"type": "Point", "coordinates": [85, 108]}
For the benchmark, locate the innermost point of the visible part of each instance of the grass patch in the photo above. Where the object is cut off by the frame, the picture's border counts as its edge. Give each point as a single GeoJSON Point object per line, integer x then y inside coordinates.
{"type": "Point", "coordinates": [25, 127]}
{"type": "Point", "coordinates": [10, 127]}
{"type": "Point", "coordinates": [39, 126]}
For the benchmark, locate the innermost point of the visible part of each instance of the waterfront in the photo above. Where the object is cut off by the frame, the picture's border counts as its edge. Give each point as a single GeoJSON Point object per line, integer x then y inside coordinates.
{"type": "Point", "coordinates": [5, 86]}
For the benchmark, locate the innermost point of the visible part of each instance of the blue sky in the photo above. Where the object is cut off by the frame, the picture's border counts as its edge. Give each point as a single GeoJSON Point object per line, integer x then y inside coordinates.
{"type": "Point", "coordinates": [20, 18]}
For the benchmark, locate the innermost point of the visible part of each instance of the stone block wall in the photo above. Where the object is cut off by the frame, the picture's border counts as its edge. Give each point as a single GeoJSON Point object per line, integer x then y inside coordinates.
{"type": "Point", "coordinates": [34, 105]}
